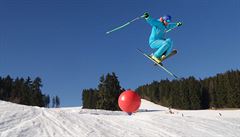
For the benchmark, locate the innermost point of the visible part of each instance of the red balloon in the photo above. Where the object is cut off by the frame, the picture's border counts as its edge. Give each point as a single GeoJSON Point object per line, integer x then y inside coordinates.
{"type": "Point", "coordinates": [129, 101]}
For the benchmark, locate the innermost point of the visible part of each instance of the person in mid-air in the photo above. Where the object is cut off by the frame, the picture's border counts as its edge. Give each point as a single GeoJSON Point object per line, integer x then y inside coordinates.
{"type": "Point", "coordinates": [157, 39]}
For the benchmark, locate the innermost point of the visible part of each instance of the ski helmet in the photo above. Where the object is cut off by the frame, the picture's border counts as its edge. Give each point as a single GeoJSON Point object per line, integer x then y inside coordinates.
{"type": "Point", "coordinates": [167, 18]}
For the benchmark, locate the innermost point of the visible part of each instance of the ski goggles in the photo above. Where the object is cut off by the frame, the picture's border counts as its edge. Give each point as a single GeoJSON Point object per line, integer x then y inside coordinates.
{"type": "Point", "coordinates": [165, 22]}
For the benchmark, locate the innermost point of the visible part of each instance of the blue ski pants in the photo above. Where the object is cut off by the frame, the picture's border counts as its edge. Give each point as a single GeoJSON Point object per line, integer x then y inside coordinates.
{"type": "Point", "coordinates": [162, 46]}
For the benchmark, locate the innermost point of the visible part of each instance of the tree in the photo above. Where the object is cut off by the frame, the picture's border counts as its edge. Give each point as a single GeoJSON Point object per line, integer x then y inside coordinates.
{"type": "Point", "coordinates": [205, 96]}
{"type": "Point", "coordinates": [194, 93]}
{"type": "Point", "coordinates": [90, 98]}
{"type": "Point", "coordinates": [109, 91]}
{"type": "Point", "coordinates": [7, 87]}
{"type": "Point", "coordinates": [106, 96]}
{"type": "Point", "coordinates": [57, 101]}
{"type": "Point", "coordinates": [53, 102]}
{"type": "Point", "coordinates": [46, 100]}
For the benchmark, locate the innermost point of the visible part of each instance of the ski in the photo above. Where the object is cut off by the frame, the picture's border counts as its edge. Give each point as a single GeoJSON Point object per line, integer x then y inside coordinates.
{"type": "Point", "coordinates": [170, 55]}
{"type": "Point", "coordinates": [161, 66]}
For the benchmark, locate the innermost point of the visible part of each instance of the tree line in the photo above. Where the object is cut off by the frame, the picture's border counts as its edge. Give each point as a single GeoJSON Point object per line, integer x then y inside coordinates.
{"type": "Point", "coordinates": [25, 91]}
{"type": "Point", "coordinates": [220, 91]}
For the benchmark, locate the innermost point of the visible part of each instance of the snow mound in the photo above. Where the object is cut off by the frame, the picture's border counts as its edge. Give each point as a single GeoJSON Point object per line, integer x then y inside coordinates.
{"type": "Point", "coordinates": [152, 120]}
{"type": "Point", "coordinates": [147, 105]}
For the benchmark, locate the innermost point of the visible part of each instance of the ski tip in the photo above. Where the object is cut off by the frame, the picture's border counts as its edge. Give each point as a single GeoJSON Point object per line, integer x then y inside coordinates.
{"type": "Point", "coordinates": [176, 76]}
{"type": "Point", "coordinates": [139, 50]}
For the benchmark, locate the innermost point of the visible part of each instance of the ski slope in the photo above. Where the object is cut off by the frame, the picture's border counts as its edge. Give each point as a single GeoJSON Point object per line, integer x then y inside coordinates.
{"type": "Point", "coordinates": [151, 121]}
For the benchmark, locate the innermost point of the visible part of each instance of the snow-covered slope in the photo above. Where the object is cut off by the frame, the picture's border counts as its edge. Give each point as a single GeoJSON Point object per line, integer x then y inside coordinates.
{"type": "Point", "coordinates": [151, 121]}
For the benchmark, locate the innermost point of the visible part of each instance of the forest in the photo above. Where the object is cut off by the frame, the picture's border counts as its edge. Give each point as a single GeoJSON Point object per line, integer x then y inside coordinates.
{"type": "Point", "coordinates": [26, 92]}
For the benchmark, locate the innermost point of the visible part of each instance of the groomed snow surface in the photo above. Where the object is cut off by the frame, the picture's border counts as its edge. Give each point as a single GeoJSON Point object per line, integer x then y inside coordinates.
{"type": "Point", "coordinates": [150, 121]}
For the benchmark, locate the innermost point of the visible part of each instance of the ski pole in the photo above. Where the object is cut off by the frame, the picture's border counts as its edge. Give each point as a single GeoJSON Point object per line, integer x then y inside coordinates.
{"type": "Point", "coordinates": [178, 24]}
{"type": "Point", "coordinates": [124, 25]}
{"type": "Point", "coordinates": [171, 29]}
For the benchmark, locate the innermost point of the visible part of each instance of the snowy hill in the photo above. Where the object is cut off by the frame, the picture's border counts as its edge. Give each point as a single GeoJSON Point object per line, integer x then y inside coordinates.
{"type": "Point", "coordinates": [151, 121]}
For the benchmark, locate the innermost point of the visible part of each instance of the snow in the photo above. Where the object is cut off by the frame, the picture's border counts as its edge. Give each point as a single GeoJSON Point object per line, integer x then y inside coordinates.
{"type": "Point", "coordinates": [151, 120]}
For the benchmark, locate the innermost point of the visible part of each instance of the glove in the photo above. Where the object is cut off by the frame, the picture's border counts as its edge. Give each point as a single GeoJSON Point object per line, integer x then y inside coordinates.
{"type": "Point", "coordinates": [145, 15]}
{"type": "Point", "coordinates": [179, 24]}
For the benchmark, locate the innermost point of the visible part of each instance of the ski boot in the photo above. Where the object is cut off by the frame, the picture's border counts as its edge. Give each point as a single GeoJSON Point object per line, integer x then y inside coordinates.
{"type": "Point", "coordinates": [159, 61]}
{"type": "Point", "coordinates": [163, 57]}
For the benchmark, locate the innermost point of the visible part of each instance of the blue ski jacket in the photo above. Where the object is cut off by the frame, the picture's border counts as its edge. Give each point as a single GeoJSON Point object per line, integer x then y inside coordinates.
{"type": "Point", "coordinates": [158, 29]}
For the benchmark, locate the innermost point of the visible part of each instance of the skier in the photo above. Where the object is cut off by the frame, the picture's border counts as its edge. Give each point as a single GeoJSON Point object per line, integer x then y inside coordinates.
{"type": "Point", "coordinates": [157, 39]}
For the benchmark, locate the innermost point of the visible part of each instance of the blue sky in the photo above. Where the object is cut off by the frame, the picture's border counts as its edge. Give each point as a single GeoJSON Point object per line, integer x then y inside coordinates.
{"type": "Point", "coordinates": [64, 41]}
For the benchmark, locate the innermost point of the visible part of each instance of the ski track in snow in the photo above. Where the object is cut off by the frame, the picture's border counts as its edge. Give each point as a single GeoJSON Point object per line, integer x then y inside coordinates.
{"type": "Point", "coordinates": [151, 121]}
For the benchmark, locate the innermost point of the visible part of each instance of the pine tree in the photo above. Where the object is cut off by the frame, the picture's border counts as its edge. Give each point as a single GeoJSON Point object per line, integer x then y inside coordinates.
{"type": "Point", "coordinates": [47, 101]}
{"type": "Point", "coordinates": [85, 98]}
{"type": "Point", "coordinates": [205, 96]}
{"type": "Point", "coordinates": [57, 99]}
{"type": "Point", "coordinates": [53, 102]}
{"type": "Point", "coordinates": [37, 95]}
{"type": "Point", "coordinates": [7, 87]}
{"type": "Point", "coordinates": [109, 91]}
